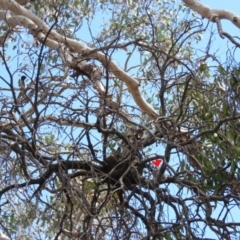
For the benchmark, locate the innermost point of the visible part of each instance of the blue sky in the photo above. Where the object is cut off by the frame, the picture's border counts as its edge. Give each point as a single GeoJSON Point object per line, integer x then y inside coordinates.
{"type": "Point", "coordinates": [231, 5]}
{"type": "Point", "coordinates": [221, 45]}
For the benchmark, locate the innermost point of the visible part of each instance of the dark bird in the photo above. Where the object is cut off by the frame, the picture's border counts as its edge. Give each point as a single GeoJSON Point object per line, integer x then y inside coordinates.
{"type": "Point", "coordinates": [21, 82]}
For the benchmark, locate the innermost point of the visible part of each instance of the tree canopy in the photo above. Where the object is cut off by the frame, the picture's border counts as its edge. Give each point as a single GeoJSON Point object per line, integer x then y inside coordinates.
{"type": "Point", "coordinates": [119, 120]}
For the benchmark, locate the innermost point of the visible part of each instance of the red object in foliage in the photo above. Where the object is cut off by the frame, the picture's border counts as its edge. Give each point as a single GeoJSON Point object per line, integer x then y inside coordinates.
{"type": "Point", "coordinates": [157, 162]}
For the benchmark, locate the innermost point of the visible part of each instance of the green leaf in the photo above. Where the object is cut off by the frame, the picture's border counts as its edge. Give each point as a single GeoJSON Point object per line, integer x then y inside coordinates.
{"type": "Point", "coordinates": [237, 151]}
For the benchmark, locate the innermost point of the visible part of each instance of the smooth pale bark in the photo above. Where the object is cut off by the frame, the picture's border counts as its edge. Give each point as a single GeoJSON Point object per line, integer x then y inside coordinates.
{"type": "Point", "coordinates": [3, 237]}
{"type": "Point", "coordinates": [211, 14]}
{"type": "Point", "coordinates": [82, 49]}
{"type": "Point", "coordinates": [67, 57]}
